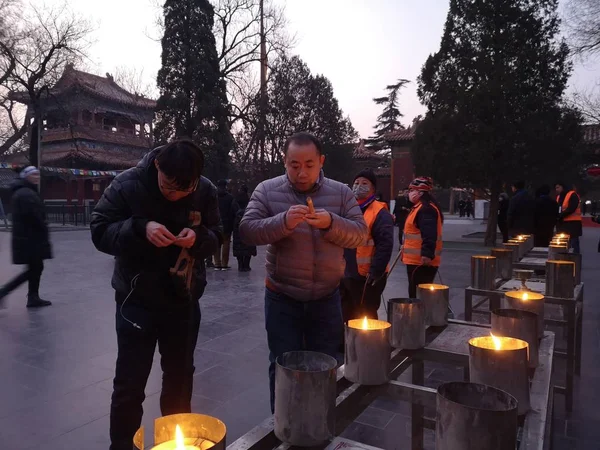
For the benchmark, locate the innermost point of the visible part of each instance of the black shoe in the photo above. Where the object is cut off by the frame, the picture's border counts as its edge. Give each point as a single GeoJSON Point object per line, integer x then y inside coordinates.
{"type": "Point", "coordinates": [209, 264]}
{"type": "Point", "coordinates": [217, 268]}
{"type": "Point", "coordinates": [34, 301]}
{"type": "Point", "coordinates": [225, 267]}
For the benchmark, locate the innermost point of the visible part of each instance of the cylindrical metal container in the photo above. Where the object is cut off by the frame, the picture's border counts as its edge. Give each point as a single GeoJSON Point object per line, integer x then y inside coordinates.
{"type": "Point", "coordinates": [483, 272]}
{"type": "Point", "coordinates": [407, 316]}
{"type": "Point", "coordinates": [474, 416]}
{"type": "Point", "coordinates": [560, 279]}
{"type": "Point", "coordinates": [435, 298]}
{"type": "Point", "coordinates": [504, 262]}
{"type": "Point", "coordinates": [502, 362]}
{"type": "Point", "coordinates": [515, 249]}
{"type": "Point", "coordinates": [198, 431]}
{"type": "Point", "coordinates": [518, 324]}
{"type": "Point", "coordinates": [367, 356]}
{"type": "Point", "coordinates": [521, 246]}
{"type": "Point", "coordinates": [574, 257]}
{"type": "Point", "coordinates": [529, 242]}
{"type": "Point", "coordinates": [527, 301]}
{"type": "Point", "coordinates": [305, 393]}
{"type": "Point", "coordinates": [555, 249]}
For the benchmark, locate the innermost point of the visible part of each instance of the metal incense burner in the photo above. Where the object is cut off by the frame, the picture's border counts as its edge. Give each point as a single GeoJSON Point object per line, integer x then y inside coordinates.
{"type": "Point", "coordinates": [436, 298]}
{"type": "Point", "coordinates": [560, 279]}
{"type": "Point", "coordinates": [475, 416]}
{"type": "Point", "coordinates": [407, 316]}
{"type": "Point", "coordinates": [573, 257]}
{"type": "Point", "coordinates": [516, 248]}
{"type": "Point", "coordinates": [483, 272]}
{"type": "Point", "coordinates": [196, 432]}
{"type": "Point", "coordinates": [501, 362]}
{"type": "Point", "coordinates": [504, 262]}
{"type": "Point", "coordinates": [527, 301]}
{"type": "Point", "coordinates": [518, 324]}
{"type": "Point", "coordinates": [367, 355]}
{"type": "Point", "coordinates": [555, 249]}
{"type": "Point", "coordinates": [524, 275]}
{"type": "Point", "coordinates": [305, 393]}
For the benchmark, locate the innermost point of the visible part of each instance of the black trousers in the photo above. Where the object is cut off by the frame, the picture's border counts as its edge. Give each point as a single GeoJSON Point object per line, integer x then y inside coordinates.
{"type": "Point", "coordinates": [419, 275]}
{"type": "Point", "coordinates": [176, 331]}
{"type": "Point", "coordinates": [32, 275]}
{"type": "Point", "coordinates": [351, 290]}
{"type": "Point", "coordinates": [244, 262]}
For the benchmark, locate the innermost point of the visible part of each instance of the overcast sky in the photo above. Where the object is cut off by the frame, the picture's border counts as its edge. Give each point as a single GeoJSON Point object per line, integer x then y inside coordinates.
{"type": "Point", "coordinates": [360, 45]}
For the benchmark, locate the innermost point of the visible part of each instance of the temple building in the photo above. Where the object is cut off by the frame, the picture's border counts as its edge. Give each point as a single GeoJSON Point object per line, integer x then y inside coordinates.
{"type": "Point", "coordinates": [92, 128]}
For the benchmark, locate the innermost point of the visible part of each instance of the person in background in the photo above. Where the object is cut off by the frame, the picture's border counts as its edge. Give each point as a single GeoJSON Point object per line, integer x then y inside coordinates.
{"type": "Point", "coordinates": [584, 206]}
{"type": "Point", "coordinates": [159, 219]}
{"type": "Point", "coordinates": [305, 253]}
{"type": "Point", "coordinates": [544, 217]}
{"type": "Point", "coordinates": [243, 252]}
{"type": "Point", "coordinates": [469, 207]}
{"type": "Point", "coordinates": [461, 207]}
{"type": "Point", "coordinates": [569, 216]}
{"type": "Point", "coordinates": [367, 266]}
{"type": "Point", "coordinates": [401, 210]}
{"type": "Point", "coordinates": [228, 209]}
{"type": "Point", "coordinates": [422, 249]}
{"type": "Point", "coordinates": [503, 215]}
{"type": "Point", "coordinates": [30, 236]}
{"type": "Point", "coordinates": [520, 211]}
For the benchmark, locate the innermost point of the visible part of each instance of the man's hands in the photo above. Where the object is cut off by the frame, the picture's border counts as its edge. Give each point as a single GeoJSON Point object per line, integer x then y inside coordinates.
{"type": "Point", "coordinates": [295, 216]}
{"type": "Point", "coordinates": [425, 261]}
{"type": "Point", "coordinates": [299, 213]}
{"type": "Point", "coordinates": [320, 219]}
{"type": "Point", "coordinates": [159, 236]}
{"type": "Point", "coordinates": [186, 238]}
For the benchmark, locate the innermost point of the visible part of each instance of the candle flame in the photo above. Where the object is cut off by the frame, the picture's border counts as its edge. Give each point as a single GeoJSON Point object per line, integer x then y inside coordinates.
{"type": "Point", "coordinates": [497, 342]}
{"type": "Point", "coordinates": [431, 288]}
{"type": "Point", "coordinates": [179, 439]}
{"type": "Point", "coordinates": [365, 324]}
{"type": "Point", "coordinates": [525, 296]}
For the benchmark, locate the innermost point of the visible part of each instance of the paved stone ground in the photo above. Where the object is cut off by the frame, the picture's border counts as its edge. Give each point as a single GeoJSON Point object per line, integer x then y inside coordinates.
{"type": "Point", "coordinates": [56, 364]}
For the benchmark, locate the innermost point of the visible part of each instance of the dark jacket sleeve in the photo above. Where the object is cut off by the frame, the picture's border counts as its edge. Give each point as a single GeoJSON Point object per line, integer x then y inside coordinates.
{"type": "Point", "coordinates": [511, 213]}
{"type": "Point", "coordinates": [32, 210]}
{"type": "Point", "coordinates": [114, 230]}
{"type": "Point", "coordinates": [383, 236]}
{"type": "Point", "coordinates": [571, 207]}
{"type": "Point", "coordinates": [427, 218]}
{"type": "Point", "coordinates": [206, 234]}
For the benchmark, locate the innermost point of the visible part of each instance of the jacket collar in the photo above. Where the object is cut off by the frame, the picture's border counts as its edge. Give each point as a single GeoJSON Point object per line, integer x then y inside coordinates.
{"type": "Point", "coordinates": [314, 189]}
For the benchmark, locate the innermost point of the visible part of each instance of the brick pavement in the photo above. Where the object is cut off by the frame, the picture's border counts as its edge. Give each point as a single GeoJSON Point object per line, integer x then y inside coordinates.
{"type": "Point", "coordinates": [56, 364]}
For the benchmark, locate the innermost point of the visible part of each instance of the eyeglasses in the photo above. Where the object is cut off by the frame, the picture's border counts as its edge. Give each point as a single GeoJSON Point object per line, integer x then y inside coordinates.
{"type": "Point", "coordinates": [172, 190]}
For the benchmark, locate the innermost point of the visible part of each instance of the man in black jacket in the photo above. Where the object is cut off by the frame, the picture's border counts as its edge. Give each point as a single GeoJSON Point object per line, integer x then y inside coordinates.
{"type": "Point", "coordinates": [30, 240]}
{"type": "Point", "coordinates": [159, 220]}
{"type": "Point", "coordinates": [520, 211]}
{"type": "Point", "coordinates": [401, 210]}
{"type": "Point", "coordinates": [228, 209]}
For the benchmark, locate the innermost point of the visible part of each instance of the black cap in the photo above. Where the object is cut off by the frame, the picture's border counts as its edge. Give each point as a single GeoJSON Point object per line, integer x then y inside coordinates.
{"type": "Point", "coordinates": [369, 174]}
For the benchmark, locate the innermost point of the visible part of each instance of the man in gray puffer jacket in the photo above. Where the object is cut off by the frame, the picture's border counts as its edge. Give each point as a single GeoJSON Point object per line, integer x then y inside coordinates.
{"type": "Point", "coordinates": [305, 261]}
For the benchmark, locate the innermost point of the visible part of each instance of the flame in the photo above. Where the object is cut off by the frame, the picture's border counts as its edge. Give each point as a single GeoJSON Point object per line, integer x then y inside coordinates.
{"type": "Point", "coordinates": [365, 324]}
{"type": "Point", "coordinates": [431, 288]}
{"type": "Point", "coordinates": [497, 341]}
{"type": "Point", "coordinates": [179, 439]}
{"type": "Point", "coordinates": [525, 296]}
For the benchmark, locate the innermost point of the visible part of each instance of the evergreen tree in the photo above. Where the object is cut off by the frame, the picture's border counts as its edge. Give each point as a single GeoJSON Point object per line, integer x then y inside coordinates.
{"type": "Point", "coordinates": [389, 119]}
{"type": "Point", "coordinates": [494, 98]}
{"type": "Point", "coordinates": [193, 101]}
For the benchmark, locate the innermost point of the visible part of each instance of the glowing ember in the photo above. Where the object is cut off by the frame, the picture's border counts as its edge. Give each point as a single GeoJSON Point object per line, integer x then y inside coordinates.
{"type": "Point", "coordinates": [365, 324]}
{"type": "Point", "coordinates": [497, 342]}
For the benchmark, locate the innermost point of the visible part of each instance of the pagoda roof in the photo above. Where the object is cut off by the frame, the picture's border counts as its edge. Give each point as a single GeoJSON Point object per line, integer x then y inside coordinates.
{"type": "Point", "coordinates": [403, 135]}
{"type": "Point", "coordinates": [361, 151]}
{"type": "Point", "coordinates": [591, 134]}
{"type": "Point", "coordinates": [101, 87]}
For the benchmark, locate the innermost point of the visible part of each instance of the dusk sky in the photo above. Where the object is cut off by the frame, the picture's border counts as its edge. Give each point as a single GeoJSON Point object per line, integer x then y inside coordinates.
{"type": "Point", "coordinates": [360, 45]}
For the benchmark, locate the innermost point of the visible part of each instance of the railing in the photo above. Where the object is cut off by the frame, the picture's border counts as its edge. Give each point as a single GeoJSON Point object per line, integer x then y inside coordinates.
{"type": "Point", "coordinates": [69, 214]}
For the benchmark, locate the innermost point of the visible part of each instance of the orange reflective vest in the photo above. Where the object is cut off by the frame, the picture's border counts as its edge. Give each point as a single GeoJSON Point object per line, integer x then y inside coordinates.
{"type": "Point", "coordinates": [577, 214]}
{"type": "Point", "coordinates": [365, 253]}
{"type": "Point", "coordinates": [413, 241]}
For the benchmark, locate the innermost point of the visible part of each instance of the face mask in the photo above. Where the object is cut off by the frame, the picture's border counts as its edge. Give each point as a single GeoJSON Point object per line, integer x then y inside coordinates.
{"type": "Point", "coordinates": [361, 191]}
{"type": "Point", "coordinates": [414, 196]}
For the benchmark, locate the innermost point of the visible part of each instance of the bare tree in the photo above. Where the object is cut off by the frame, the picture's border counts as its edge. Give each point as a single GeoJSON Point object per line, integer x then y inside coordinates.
{"type": "Point", "coordinates": [587, 101]}
{"type": "Point", "coordinates": [132, 79]}
{"type": "Point", "coordinates": [583, 25]}
{"type": "Point", "coordinates": [42, 42]}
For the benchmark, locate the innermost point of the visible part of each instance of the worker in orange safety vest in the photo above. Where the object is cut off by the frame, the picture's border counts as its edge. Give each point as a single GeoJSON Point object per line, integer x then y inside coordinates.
{"type": "Point", "coordinates": [569, 217]}
{"type": "Point", "coordinates": [422, 249]}
{"type": "Point", "coordinates": [367, 266]}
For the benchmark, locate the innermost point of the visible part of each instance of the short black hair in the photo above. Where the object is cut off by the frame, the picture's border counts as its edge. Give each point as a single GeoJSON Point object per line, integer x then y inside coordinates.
{"type": "Point", "coordinates": [561, 183]}
{"type": "Point", "coordinates": [181, 161]}
{"type": "Point", "coordinates": [303, 138]}
{"type": "Point", "coordinates": [519, 184]}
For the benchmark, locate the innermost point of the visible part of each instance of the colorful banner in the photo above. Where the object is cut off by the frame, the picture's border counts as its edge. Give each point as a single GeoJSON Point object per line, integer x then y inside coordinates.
{"type": "Point", "coordinates": [76, 172]}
